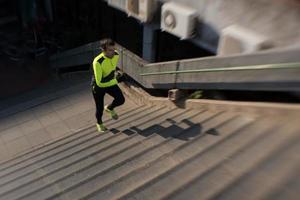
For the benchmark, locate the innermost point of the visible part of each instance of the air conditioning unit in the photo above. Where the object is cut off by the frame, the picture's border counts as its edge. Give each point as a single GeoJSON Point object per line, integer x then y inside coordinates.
{"type": "Point", "coordinates": [118, 4]}
{"type": "Point", "coordinates": [178, 20]}
{"type": "Point", "coordinates": [142, 10]}
{"type": "Point", "coordinates": [236, 40]}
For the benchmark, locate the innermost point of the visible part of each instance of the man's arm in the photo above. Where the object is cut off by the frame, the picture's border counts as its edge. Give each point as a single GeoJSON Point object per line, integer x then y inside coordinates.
{"type": "Point", "coordinates": [97, 73]}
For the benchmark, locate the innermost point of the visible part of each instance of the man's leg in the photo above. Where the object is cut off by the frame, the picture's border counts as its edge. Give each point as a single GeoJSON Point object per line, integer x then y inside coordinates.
{"type": "Point", "coordinates": [98, 94]}
{"type": "Point", "coordinates": [119, 99]}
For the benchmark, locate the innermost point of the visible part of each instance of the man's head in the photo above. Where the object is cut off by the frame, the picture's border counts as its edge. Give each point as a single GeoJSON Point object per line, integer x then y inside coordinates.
{"type": "Point", "coordinates": [108, 47]}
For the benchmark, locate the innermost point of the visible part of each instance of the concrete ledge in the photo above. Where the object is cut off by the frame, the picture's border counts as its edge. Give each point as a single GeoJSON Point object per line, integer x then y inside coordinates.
{"type": "Point", "coordinates": [139, 96]}
{"type": "Point", "coordinates": [236, 39]}
{"type": "Point", "coordinates": [276, 80]}
{"type": "Point", "coordinates": [272, 109]}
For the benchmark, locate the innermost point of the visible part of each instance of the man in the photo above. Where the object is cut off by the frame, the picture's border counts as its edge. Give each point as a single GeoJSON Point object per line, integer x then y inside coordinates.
{"type": "Point", "coordinates": [104, 81]}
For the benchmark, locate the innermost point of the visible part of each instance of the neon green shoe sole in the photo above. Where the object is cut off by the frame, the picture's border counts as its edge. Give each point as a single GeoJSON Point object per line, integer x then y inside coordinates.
{"type": "Point", "coordinates": [112, 113]}
{"type": "Point", "coordinates": [101, 128]}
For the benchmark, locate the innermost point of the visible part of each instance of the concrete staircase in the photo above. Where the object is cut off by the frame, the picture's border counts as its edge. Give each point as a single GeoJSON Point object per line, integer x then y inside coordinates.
{"type": "Point", "coordinates": [163, 152]}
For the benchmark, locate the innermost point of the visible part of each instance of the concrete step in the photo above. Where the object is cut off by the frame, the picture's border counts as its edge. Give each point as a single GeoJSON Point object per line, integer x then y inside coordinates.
{"type": "Point", "coordinates": [67, 149]}
{"type": "Point", "coordinates": [101, 154]}
{"type": "Point", "coordinates": [121, 139]}
{"type": "Point", "coordinates": [182, 143]}
{"type": "Point", "coordinates": [48, 92]}
{"type": "Point", "coordinates": [64, 143]}
{"type": "Point", "coordinates": [260, 171]}
{"type": "Point", "coordinates": [242, 134]}
{"type": "Point", "coordinates": [160, 152]}
{"type": "Point", "coordinates": [148, 149]}
{"type": "Point", "coordinates": [290, 191]}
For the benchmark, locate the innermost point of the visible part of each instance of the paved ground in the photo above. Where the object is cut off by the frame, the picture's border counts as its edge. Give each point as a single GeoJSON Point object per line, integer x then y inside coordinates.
{"type": "Point", "coordinates": [45, 114]}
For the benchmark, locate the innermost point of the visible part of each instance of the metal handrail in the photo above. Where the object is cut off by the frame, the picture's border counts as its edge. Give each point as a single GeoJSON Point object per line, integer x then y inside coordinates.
{"type": "Point", "coordinates": [222, 69]}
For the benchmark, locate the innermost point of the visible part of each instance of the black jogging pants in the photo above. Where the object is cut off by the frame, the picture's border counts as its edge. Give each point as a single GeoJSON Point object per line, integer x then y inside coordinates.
{"type": "Point", "coordinates": [99, 94]}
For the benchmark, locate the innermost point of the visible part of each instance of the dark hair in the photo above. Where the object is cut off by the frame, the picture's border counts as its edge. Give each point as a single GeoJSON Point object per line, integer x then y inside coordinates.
{"type": "Point", "coordinates": [104, 43]}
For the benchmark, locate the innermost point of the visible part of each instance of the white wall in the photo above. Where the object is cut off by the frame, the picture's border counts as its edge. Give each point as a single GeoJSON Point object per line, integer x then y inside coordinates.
{"type": "Point", "coordinates": [279, 20]}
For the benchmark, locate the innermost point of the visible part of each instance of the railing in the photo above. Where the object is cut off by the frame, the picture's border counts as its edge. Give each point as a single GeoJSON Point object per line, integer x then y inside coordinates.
{"type": "Point", "coordinates": [236, 72]}
{"type": "Point", "coordinates": [222, 69]}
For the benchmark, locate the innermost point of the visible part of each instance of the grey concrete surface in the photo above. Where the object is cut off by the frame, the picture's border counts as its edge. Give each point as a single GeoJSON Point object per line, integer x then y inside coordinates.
{"type": "Point", "coordinates": [46, 115]}
{"type": "Point", "coordinates": [205, 151]}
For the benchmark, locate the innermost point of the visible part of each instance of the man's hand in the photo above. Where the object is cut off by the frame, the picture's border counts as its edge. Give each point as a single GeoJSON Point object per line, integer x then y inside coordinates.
{"type": "Point", "coordinates": [120, 76]}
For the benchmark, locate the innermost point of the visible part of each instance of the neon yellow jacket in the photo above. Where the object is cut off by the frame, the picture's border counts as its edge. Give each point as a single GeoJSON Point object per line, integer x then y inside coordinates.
{"type": "Point", "coordinates": [104, 70]}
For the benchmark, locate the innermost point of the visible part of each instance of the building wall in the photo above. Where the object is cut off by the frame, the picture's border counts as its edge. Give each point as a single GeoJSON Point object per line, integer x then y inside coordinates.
{"type": "Point", "coordinates": [278, 20]}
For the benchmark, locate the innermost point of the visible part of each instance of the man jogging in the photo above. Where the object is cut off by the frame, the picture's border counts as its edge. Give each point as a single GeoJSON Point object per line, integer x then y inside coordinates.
{"type": "Point", "coordinates": [104, 81]}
